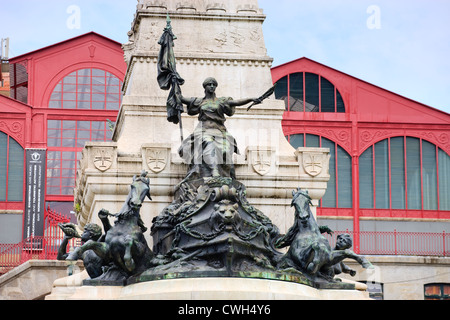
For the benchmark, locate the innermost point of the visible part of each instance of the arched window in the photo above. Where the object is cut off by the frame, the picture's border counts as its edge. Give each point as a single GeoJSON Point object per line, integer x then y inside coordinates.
{"type": "Point", "coordinates": [91, 89]}
{"type": "Point", "coordinates": [404, 173]}
{"type": "Point", "coordinates": [339, 190]}
{"type": "Point", "coordinates": [309, 92]}
{"type": "Point", "coordinates": [11, 169]}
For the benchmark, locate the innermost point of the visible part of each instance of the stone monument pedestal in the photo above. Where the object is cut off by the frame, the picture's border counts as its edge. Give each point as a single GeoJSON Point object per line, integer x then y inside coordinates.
{"type": "Point", "coordinates": [229, 289]}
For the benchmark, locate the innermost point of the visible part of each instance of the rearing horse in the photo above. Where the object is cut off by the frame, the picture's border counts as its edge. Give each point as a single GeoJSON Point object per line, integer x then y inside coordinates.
{"type": "Point", "coordinates": [309, 251]}
{"type": "Point", "coordinates": [124, 243]}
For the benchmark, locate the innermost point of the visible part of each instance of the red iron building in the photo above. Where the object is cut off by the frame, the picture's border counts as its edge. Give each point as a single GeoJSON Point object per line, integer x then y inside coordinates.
{"type": "Point", "coordinates": [60, 97]}
{"type": "Point", "coordinates": [389, 166]}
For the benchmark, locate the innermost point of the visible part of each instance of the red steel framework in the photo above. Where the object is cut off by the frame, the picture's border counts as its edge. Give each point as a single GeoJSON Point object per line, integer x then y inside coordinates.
{"type": "Point", "coordinates": [372, 114]}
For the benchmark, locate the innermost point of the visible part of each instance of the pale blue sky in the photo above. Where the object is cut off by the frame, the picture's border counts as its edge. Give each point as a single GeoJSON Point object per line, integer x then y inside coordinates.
{"type": "Point", "coordinates": [402, 46]}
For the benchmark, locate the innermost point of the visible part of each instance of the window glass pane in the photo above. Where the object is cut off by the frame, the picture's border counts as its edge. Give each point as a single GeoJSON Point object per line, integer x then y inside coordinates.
{"type": "Point", "coordinates": [84, 73]}
{"type": "Point", "coordinates": [296, 92]}
{"type": "Point", "coordinates": [444, 180]}
{"type": "Point", "coordinates": [281, 90]}
{"type": "Point", "coordinates": [312, 141]}
{"type": "Point", "coordinates": [366, 179]}
{"type": "Point", "coordinates": [69, 124]}
{"type": "Point", "coordinates": [312, 92]}
{"type": "Point", "coordinates": [70, 96]}
{"type": "Point", "coordinates": [398, 195]}
{"type": "Point", "coordinates": [55, 104]}
{"type": "Point", "coordinates": [84, 83]}
{"type": "Point", "coordinates": [98, 105]}
{"type": "Point", "coordinates": [382, 175]}
{"type": "Point", "coordinates": [329, 199]}
{"type": "Point", "coordinates": [69, 88]}
{"type": "Point", "coordinates": [327, 96]}
{"type": "Point", "coordinates": [15, 171]}
{"type": "Point", "coordinates": [345, 197]}
{"type": "Point", "coordinates": [98, 73]}
{"type": "Point", "coordinates": [3, 164]}
{"type": "Point", "coordinates": [54, 124]}
{"type": "Point", "coordinates": [413, 173]}
{"type": "Point", "coordinates": [339, 103]}
{"type": "Point", "coordinates": [429, 176]}
{"type": "Point", "coordinates": [99, 89]}
{"type": "Point", "coordinates": [112, 105]}
{"type": "Point", "coordinates": [84, 105]}
{"type": "Point", "coordinates": [69, 104]}
{"type": "Point", "coordinates": [112, 80]}
{"type": "Point", "coordinates": [68, 143]}
{"type": "Point", "coordinates": [70, 79]}
{"type": "Point", "coordinates": [56, 96]}
{"type": "Point", "coordinates": [297, 141]}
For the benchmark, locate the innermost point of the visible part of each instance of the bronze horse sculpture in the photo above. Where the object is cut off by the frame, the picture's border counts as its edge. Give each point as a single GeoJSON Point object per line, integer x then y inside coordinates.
{"type": "Point", "coordinates": [123, 244]}
{"type": "Point", "coordinates": [309, 251]}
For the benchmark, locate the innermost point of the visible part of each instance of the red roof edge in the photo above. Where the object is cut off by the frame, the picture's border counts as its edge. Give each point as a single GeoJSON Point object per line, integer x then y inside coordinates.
{"type": "Point", "coordinates": [22, 56]}
{"type": "Point", "coordinates": [399, 95]}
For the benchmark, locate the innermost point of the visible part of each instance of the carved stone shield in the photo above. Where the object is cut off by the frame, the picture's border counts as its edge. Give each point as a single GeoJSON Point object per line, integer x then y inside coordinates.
{"type": "Point", "coordinates": [262, 162]}
{"type": "Point", "coordinates": [313, 163]}
{"type": "Point", "coordinates": [103, 159]}
{"type": "Point", "coordinates": [157, 159]}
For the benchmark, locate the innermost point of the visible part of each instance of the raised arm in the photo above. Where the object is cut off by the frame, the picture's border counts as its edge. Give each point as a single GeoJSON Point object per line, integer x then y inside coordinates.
{"type": "Point", "coordinates": [242, 102]}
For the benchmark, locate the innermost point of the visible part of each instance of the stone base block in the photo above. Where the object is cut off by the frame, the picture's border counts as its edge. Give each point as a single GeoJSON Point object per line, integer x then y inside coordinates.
{"type": "Point", "coordinates": [214, 289]}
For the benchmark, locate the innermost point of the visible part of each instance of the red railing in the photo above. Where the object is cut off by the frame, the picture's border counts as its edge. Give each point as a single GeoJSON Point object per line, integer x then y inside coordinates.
{"type": "Point", "coordinates": [36, 248]}
{"type": "Point", "coordinates": [400, 243]}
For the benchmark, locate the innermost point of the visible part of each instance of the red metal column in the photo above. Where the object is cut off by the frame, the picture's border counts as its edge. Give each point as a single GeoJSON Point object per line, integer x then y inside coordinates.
{"type": "Point", "coordinates": [355, 182]}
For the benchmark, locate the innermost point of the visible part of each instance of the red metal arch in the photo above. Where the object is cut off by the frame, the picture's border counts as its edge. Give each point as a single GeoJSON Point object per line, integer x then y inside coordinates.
{"type": "Point", "coordinates": [327, 134]}
{"type": "Point", "coordinates": [75, 67]}
{"type": "Point", "coordinates": [428, 136]}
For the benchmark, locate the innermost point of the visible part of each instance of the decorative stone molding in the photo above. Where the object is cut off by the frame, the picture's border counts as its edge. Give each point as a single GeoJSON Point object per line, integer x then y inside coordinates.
{"type": "Point", "coordinates": [186, 6]}
{"type": "Point", "coordinates": [247, 8]}
{"type": "Point", "coordinates": [156, 6]}
{"type": "Point", "coordinates": [216, 8]}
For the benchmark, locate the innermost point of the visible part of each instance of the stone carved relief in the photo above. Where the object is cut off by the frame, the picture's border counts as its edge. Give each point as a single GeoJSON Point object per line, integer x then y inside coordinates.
{"type": "Point", "coordinates": [157, 159]}
{"type": "Point", "coordinates": [103, 159]}
{"type": "Point", "coordinates": [313, 163]}
{"type": "Point", "coordinates": [262, 160]}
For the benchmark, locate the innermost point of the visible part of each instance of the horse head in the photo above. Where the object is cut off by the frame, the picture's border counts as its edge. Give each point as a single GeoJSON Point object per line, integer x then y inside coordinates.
{"type": "Point", "coordinates": [140, 188]}
{"type": "Point", "coordinates": [302, 202]}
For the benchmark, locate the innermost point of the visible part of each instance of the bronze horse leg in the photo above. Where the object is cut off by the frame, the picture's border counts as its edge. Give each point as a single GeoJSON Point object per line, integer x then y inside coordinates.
{"type": "Point", "coordinates": [101, 249]}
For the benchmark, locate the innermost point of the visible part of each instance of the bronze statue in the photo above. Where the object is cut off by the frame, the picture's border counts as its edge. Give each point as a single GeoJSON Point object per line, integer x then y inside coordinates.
{"type": "Point", "coordinates": [124, 246]}
{"type": "Point", "coordinates": [92, 232]}
{"type": "Point", "coordinates": [209, 150]}
{"type": "Point", "coordinates": [309, 251]}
